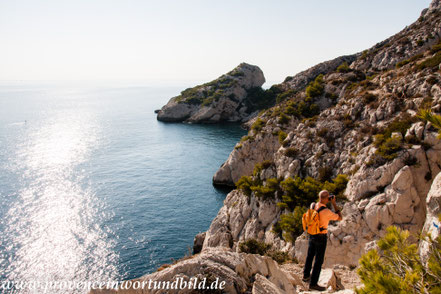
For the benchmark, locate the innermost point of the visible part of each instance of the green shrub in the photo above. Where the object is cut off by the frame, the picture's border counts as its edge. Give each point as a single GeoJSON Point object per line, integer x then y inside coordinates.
{"type": "Point", "coordinates": [207, 101]}
{"type": "Point", "coordinates": [301, 109]}
{"type": "Point", "coordinates": [258, 99]}
{"type": "Point", "coordinates": [331, 96]}
{"type": "Point", "coordinates": [282, 136]}
{"type": "Point", "coordinates": [395, 267]}
{"type": "Point", "coordinates": [402, 63]}
{"type": "Point", "coordinates": [283, 119]}
{"type": "Point", "coordinates": [254, 247]}
{"type": "Point", "coordinates": [236, 73]}
{"type": "Point", "coordinates": [324, 173]}
{"type": "Point", "coordinates": [435, 48]}
{"type": "Point", "coordinates": [364, 54]}
{"type": "Point", "coordinates": [343, 67]}
{"type": "Point", "coordinates": [337, 186]}
{"type": "Point", "coordinates": [389, 148]}
{"type": "Point", "coordinates": [284, 95]}
{"type": "Point", "coordinates": [246, 138]}
{"type": "Point", "coordinates": [249, 184]}
{"type": "Point", "coordinates": [299, 192]}
{"type": "Point", "coordinates": [431, 62]}
{"type": "Point", "coordinates": [352, 86]}
{"type": "Point", "coordinates": [315, 88]}
{"type": "Point", "coordinates": [258, 125]}
{"type": "Point", "coordinates": [266, 191]}
{"type": "Point", "coordinates": [261, 166]}
{"type": "Point", "coordinates": [368, 98]}
{"type": "Point", "coordinates": [401, 125]}
{"type": "Point", "coordinates": [291, 223]}
{"type": "Point", "coordinates": [280, 256]}
{"type": "Point", "coordinates": [434, 119]}
{"type": "Point", "coordinates": [323, 132]}
{"type": "Point", "coordinates": [244, 184]}
{"type": "Point", "coordinates": [347, 121]}
{"type": "Point", "coordinates": [291, 152]}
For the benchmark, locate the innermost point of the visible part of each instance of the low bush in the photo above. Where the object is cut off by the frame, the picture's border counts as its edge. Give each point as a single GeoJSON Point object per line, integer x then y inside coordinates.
{"type": "Point", "coordinates": [283, 119]}
{"type": "Point", "coordinates": [244, 184]}
{"type": "Point", "coordinates": [315, 88]}
{"type": "Point", "coordinates": [267, 190]}
{"type": "Point", "coordinates": [258, 125]}
{"type": "Point", "coordinates": [435, 48]}
{"type": "Point", "coordinates": [432, 62]}
{"type": "Point", "coordinates": [368, 98]}
{"type": "Point", "coordinates": [254, 246]}
{"type": "Point", "coordinates": [343, 68]}
{"type": "Point", "coordinates": [434, 119]}
{"type": "Point", "coordinates": [285, 95]}
{"type": "Point", "coordinates": [291, 224]}
{"type": "Point", "coordinates": [282, 136]}
{"type": "Point", "coordinates": [323, 132]}
{"type": "Point", "coordinates": [388, 148]}
{"type": "Point", "coordinates": [291, 152]}
{"type": "Point", "coordinates": [280, 256]}
{"type": "Point", "coordinates": [402, 63]}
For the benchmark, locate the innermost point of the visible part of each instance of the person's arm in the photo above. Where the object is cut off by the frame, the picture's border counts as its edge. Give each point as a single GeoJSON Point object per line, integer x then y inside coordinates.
{"type": "Point", "coordinates": [336, 209]}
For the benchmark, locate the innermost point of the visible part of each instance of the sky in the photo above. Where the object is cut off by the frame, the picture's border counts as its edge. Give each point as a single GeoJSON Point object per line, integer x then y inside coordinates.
{"type": "Point", "coordinates": [186, 41]}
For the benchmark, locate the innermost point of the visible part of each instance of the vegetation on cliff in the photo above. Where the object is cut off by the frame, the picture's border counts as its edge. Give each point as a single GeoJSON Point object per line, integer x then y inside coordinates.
{"type": "Point", "coordinates": [396, 267]}
{"type": "Point", "coordinates": [254, 246]}
{"type": "Point", "coordinates": [293, 195]}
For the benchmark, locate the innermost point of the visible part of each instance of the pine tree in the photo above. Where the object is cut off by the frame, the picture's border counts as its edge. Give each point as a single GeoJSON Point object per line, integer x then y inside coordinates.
{"type": "Point", "coordinates": [395, 267]}
{"type": "Point", "coordinates": [434, 119]}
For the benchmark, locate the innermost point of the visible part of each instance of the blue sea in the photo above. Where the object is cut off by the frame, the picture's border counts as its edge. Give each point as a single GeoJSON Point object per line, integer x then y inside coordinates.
{"type": "Point", "coordinates": [93, 187]}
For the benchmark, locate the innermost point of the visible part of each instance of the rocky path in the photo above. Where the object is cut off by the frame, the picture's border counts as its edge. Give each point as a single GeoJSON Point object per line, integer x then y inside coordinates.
{"type": "Point", "coordinates": [340, 279]}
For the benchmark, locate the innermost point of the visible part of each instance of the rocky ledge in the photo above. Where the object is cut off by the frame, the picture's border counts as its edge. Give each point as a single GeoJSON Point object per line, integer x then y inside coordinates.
{"type": "Point", "coordinates": [233, 97]}
{"type": "Point", "coordinates": [241, 273]}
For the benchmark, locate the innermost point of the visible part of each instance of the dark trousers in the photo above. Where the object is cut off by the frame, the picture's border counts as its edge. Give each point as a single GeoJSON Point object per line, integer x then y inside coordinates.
{"type": "Point", "coordinates": [316, 248]}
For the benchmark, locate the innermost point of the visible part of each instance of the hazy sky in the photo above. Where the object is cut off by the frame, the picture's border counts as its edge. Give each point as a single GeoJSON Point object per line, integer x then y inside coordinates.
{"type": "Point", "coordinates": [187, 40]}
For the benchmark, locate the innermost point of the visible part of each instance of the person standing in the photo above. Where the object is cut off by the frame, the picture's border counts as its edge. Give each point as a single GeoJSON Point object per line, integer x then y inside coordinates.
{"type": "Point", "coordinates": [317, 243]}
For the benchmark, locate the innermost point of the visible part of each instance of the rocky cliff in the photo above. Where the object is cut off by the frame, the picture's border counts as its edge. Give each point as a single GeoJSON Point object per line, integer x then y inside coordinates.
{"type": "Point", "coordinates": [349, 125]}
{"type": "Point", "coordinates": [233, 97]}
{"type": "Point", "coordinates": [356, 116]}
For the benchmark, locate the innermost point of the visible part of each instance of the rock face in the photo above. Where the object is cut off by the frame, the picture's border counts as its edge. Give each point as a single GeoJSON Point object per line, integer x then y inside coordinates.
{"type": "Point", "coordinates": [432, 224]}
{"type": "Point", "coordinates": [376, 92]}
{"type": "Point", "coordinates": [241, 272]}
{"type": "Point", "coordinates": [230, 98]}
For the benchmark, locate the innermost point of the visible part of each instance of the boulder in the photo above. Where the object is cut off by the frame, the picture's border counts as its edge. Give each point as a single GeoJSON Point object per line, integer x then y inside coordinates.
{"type": "Point", "coordinates": [330, 280]}
{"type": "Point", "coordinates": [198, 242]}
{"type": "Point", "coordinates": [263, 286]}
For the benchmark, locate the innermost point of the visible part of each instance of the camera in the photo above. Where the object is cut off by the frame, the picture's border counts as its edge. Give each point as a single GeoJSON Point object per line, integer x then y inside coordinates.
{"type": "Point", "coordinates": [331, 197]}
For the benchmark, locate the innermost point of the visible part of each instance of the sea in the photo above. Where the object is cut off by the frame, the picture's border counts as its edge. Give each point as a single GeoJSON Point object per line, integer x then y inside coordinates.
{"type": "Point", "coordinates": [93, 187]}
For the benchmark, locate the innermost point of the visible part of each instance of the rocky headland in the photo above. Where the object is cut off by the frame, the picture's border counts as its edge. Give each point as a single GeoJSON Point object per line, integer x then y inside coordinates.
{"type": "Point", "coordinates": [233, 97]}
{"type": "Point", "coordinates": [349, 125]}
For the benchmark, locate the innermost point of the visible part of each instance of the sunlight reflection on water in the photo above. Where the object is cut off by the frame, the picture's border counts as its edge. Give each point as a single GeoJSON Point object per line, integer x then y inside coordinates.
{"type": "Point", "coordinates": [54, 229]}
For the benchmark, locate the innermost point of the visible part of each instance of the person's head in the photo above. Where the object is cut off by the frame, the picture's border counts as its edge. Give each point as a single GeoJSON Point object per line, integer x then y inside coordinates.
{"type": "Point", "coordinates": [324, 196]}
